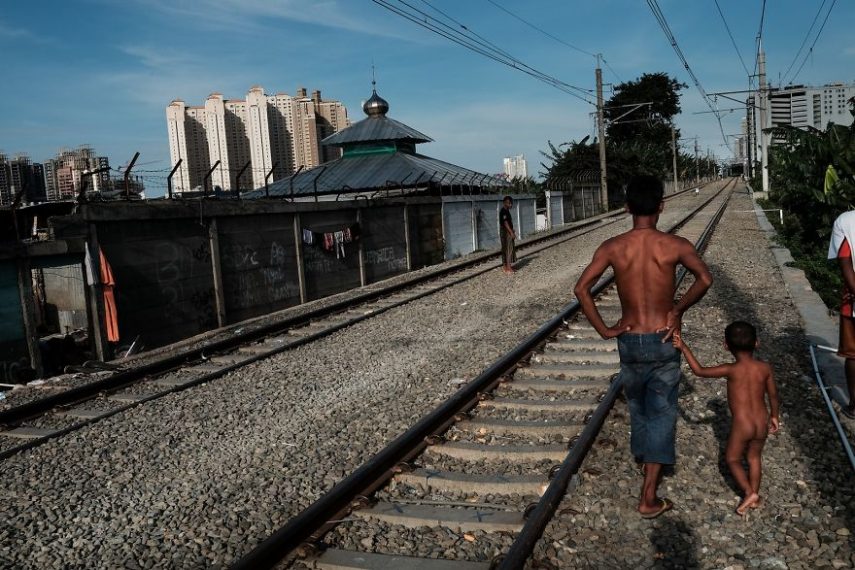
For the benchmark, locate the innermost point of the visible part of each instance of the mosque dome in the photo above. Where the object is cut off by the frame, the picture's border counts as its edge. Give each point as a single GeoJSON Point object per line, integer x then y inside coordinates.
{"type": "Point", "coordinates": [376, 105]}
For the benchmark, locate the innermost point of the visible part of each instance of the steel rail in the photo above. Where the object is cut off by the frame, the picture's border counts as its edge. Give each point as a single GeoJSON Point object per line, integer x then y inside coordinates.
{"type": "Point", "coordinates": [823, 389]}
{"type": "Point", "coordinates": [522, 548]}
{"type": "Point", "coordinates": [381, 466]}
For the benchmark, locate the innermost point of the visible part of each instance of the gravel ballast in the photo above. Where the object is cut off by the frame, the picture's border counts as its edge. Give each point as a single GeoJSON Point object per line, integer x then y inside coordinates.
{"type": "Point", "coordinates": [807, 516]}
{"type": "Point", "coordinates": [197, 478]}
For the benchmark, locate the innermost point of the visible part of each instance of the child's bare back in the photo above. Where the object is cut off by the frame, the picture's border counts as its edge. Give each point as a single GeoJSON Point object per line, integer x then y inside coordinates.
{"type": "Point", "coordinates": [747, 385]}
{"type": "Point", "coordinates": [749, 382]}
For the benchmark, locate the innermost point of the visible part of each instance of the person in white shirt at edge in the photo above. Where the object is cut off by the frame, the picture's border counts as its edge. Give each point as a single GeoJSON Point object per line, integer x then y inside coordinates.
{"type": "Point", "coordinates": [841, 248]}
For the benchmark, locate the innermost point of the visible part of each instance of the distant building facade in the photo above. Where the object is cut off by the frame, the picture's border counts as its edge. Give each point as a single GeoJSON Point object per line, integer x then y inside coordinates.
{"type": "Point", "coordinates": [63, 175]}
{"type": "Point", "coordinates": [19, 173]}
{"type": "Point", "coordinates": [515, 167]}
{"type": "Point", "coordinates": [277, 133]}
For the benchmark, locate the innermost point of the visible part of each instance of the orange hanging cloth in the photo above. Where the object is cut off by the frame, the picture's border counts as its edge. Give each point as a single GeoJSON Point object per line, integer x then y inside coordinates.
{"type": "Point", "coordinates": [110, 315]}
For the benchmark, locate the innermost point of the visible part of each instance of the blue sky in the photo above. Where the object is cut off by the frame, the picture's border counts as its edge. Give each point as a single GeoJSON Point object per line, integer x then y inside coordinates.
{"type": "Point", "coordinates": [101, 72]}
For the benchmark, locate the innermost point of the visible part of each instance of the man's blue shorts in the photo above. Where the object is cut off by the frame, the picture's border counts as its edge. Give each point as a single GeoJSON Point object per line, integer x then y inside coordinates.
{"type": "Point", "coordinates": [650, 372]}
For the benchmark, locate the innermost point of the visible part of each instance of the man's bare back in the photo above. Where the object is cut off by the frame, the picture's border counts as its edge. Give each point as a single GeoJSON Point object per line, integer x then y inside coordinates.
{"type": "Point", "coordinates": [644, 261]}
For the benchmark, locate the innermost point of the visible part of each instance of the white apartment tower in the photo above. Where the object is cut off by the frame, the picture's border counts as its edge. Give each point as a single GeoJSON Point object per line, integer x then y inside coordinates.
{"type": "Point", "coordinates": [275, 134]}
{"type": "Point", "coordinates": [516, 167]}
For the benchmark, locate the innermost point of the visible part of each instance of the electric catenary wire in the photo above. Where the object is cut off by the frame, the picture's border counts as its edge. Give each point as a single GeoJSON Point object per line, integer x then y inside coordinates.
{"type": "Point", "coordinates": [819, 33]}
{"type": "Point", "coordinates": [729, 33]}
{"type": "Point", "coordinates": [663, 23]}
{"type": "Point", "coordinates": [804, 41]}
{"type": "Point", "coordinates": [466, 40]}
{"type": "Point", "coordinates": [551, 36]}
{"type": "Point", "coordinates": [483, 41]}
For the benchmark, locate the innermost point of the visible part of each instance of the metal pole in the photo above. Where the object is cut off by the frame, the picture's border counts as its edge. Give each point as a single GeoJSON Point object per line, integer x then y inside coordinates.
{"type": "Point", "coordinates": [674, 156]}
{"type": "Point", "coordinates": [601, 130]}
{"type": "Point", "coordinates": [291, 181]}
{"type": "Point", "coordinates": [315, 182]}
{"type": "Point", "coordinates": [171, 174]}
{"type": "Point", "coordinates": [764, 136]}
{"type": "Point", "coordinates": [697, 163]}
{"type": "Point", "coordinates": [128, 176]}
{"type": "Point", "coordinates": [237, 178]}
{"type": "Point", "coordinates": [207, 176]}
{"type": "Point", "coordinates": [267, 177]}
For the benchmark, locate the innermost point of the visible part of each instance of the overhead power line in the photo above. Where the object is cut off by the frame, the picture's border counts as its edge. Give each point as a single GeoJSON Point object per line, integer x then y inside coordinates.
{"type": "Point", "coordinates": [816, 39]}
{"type": "Point", "coordinates": [465, 37]}
{"type": "Point", "coordinates": [804, 41]}
{"type": "Point", "coordinates": [663, 23]}
{"type": "Point", "coordinates": [729, 33]}
{"type": "Point", "coordinates": [551, 36]}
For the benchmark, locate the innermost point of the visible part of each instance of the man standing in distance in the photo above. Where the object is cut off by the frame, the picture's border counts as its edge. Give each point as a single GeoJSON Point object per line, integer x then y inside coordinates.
{"type": "Point", "coordinates": [507, 234]}
{"type": "Point", "coordinates": [644, 261]}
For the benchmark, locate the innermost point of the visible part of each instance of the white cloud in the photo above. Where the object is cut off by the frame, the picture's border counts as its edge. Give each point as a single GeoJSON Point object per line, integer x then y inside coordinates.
{"type": "Point", "coordinates": [253, 16]}
{"type": "Point", "coordinates": [14, 33]}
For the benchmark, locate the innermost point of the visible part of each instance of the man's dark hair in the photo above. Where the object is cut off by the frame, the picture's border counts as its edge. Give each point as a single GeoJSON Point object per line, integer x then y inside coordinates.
{"type": "Point", "coordinates": [740, 336]}
{"type": "Point", "coordinates": [508, 198]}
{"type": "Point", "coordinates": [643, 195]}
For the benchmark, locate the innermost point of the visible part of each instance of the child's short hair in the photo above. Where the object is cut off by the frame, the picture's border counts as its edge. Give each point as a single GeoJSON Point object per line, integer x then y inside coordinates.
{"type": "Point", "coordinates": [740, 336]}
{"type": "Point", "coordinates": [644, 194]}
{"type": "Point", "coordinates": [508, 198]}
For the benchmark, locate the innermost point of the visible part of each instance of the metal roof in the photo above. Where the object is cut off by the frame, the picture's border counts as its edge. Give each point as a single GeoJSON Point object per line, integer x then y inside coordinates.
{"type": "Point", "coordinates": [377, 128]}
{"type": "Point", "coordinates": [376, 172]}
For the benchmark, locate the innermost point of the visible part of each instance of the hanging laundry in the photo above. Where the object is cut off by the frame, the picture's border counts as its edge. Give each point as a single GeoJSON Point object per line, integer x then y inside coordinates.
{"type": "Point", "coordinates": [308, 237]}
{"type": "Point", "coordinates": [328, 241]}
{"type": "Point", "coordinates": [355, 232]}
{"type": "Point", "coordinates": [110, 316]}
{"type": "Point", "coordinates": [339, 245]}
{"type": "Point", "coordinates": [347, 235]}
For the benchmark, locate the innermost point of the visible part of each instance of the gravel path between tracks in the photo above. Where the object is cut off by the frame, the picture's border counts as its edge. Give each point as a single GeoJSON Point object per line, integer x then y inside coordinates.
{"type": "Point", "coordinates": [808, 515]}
{"type": "Point", "coordinates": [197, 478]}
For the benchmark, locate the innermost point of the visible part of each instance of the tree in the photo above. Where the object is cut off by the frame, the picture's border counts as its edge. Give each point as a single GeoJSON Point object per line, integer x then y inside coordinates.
{"type": "Point", "coordinates": [639, 143]}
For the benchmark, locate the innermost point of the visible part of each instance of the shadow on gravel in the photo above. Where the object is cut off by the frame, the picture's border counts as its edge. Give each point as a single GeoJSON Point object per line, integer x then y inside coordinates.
{"type": "Point", "coordinates": [674, 543]}
{"type": "Point", "coordinates": [525, 261]}
{"type": "Point", "coordinates": [807, 423]}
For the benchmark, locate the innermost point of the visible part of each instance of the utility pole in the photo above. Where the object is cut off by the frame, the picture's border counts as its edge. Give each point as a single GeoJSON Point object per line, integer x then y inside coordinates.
{"type": "Point", "coordinates": [674, 155]}
{"type": "Point", "coordinates": [764, 142]}
{"type": "Point", "coordinates": [601, 129]}
{"type": "Point", "coordinates": [697, 163]}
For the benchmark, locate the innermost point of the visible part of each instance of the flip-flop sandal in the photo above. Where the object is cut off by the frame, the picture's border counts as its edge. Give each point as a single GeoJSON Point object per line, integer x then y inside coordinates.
{"type": "Point", "coordinates": [848, 413]}
{"type": "Point", "coordinates": [666, 506]}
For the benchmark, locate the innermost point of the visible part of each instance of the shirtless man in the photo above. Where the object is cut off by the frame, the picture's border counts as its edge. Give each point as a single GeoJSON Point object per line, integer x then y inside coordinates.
{"type": "Point", "coordinates": [749, 382]}
{"type": "Point", "coordinates": [644, 261]}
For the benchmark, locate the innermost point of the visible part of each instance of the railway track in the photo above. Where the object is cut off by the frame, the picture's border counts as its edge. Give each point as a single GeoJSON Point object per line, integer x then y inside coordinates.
{"type": "Point", "coordinates": [36, 422]}
{"type": "Point", "coordinates": [488, 467]}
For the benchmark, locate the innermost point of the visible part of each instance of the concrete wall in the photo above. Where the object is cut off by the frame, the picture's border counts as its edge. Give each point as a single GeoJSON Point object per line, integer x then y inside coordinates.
{"type": "Point", "coordinates": [259, 264]}
{"type": "Point", "coordinates": [14, 354]}
{"type": "Point", "coordinates": [565, 206]}
{"type": "Point", "coordinates": [472, 222]}
{"type": "Point", "coordinates": [384, 242]}
{"type": "Point", "coordinates": [164, 280]}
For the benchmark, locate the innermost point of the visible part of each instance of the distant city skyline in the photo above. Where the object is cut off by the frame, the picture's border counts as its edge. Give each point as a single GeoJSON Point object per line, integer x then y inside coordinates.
{"type": "Point", "coordinates": [269, 135]}
{"type": "Point", "coordinates": [106, 80]}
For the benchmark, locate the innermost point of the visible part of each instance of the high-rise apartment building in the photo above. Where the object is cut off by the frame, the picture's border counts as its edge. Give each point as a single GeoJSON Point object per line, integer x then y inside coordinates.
{"type": "Point", "coordinates": [63, 175]}
{"type": "Point", "coordinates": [275, 134]}
{"type": "Point", "coordinates": [516, 167]}
{"type": "Point", "coordinates": [17, 174]}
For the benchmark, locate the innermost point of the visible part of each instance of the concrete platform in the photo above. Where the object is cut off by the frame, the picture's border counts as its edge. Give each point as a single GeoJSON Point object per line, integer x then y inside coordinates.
{"type": "Point", "coordinates": [449, 481]}
{"type": "Point", "coordinates": [821, 328]}
{"type": "Point", "coordinates": [334, 559]}
{"type": "Point", "coordinates": [513, 453]}
{"type": "Point", "coordinates": [457, 519]}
